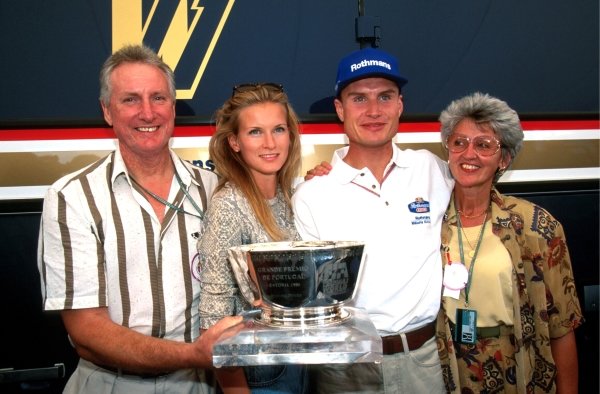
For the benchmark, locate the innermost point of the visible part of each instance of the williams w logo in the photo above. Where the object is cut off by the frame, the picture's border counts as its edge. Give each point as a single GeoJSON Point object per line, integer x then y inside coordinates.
{"type": "Point", "coordinates": [182, 32]}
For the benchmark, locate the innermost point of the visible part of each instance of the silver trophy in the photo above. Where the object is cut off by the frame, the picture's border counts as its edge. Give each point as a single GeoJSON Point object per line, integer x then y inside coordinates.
{"type": "Point", "coordinates": [301, 291]}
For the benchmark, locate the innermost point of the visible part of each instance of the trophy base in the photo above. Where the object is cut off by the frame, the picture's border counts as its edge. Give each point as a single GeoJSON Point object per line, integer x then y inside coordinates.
{"type": "Point", "coordinates": [352, 340]}
{"type": "Point", "coordinates": [303, 317]}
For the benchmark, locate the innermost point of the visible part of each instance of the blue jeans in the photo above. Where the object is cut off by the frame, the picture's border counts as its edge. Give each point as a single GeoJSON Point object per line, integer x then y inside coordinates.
{"type": "Point", "coordinates": [272, 379]}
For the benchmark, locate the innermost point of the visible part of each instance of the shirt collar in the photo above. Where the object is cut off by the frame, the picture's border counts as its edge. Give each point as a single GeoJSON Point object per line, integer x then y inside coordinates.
{"type": "Point", "coordinates": [120, 169]}
{"type": "Point", "coordinates": [400, 158]}
{"type": "Point", "coordinates": [184, 172]}
{"type": "Point", "coordinates": [345, 173]}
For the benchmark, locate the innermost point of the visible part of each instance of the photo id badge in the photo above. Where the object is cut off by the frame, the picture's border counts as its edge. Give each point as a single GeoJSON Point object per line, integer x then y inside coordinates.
{"type": "Point", "coordinates": [466, 326]}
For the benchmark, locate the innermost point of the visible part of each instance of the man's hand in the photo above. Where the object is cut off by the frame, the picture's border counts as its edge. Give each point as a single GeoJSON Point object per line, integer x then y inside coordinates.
{"type": "Point", "coordinates": [99, 340]}
{"type": "Point", "coordinates": [319, 170]}
{"type": "Point", "coordinates": [224, 328]}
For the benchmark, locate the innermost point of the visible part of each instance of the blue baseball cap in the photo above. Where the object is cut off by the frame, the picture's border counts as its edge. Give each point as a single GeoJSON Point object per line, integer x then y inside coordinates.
{"type": "Point", "coordinates": [367, 63]}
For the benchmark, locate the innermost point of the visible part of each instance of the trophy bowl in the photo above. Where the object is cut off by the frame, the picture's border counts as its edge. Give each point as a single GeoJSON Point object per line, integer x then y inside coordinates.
{"type": "Point", "coordinates": [298, 283]}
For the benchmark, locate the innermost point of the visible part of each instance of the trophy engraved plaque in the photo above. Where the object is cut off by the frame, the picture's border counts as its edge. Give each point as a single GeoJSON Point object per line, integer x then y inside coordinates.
{"type": "Point", "coordinates": [301, 290]}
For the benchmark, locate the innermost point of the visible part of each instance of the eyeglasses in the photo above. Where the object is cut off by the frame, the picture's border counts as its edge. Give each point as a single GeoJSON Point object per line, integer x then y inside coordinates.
{"type": "Point", "coordinates": [247, 87]}
{"type": "Point", "coordinates": [483, 145]}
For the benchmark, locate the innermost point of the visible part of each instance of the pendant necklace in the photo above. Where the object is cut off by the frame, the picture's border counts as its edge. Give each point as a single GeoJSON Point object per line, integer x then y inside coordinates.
{"type": "Point", "coordinates": [462, 254]}
{"type": "Point", "coordinates": [461, 213]}
{"type": "Point", "coordinates": [472, 249]}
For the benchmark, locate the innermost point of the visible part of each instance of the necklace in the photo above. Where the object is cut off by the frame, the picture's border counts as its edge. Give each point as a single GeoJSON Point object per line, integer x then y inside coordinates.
{"type": "Point", "coordinates": [461, 213]}
{"type": "Point", "coordinates": [462, 256]}
{"type": "Point", "coordinates": [471, 216]}
{"type": "Point", "coordinates": [472, 251]}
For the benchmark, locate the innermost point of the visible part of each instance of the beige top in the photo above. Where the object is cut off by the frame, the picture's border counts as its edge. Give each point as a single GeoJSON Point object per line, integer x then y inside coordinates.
{"type": "Point", "coordinates": [490, 293]}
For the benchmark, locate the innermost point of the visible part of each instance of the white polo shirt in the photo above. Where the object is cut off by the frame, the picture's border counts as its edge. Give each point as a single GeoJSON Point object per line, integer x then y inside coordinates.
{"type": "Point", "coordinates": [400, 222]}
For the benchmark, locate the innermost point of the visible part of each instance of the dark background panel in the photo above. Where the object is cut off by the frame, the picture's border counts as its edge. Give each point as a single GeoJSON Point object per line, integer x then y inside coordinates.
{"type": "Point", "coordinates": [539, 55]}
{"type": "Point", "coordinates": [576, 206]}
{"type": "Point", "coordinates": [31, 338]}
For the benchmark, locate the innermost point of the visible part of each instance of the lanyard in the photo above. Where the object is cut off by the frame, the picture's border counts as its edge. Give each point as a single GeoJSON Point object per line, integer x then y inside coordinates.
{"type": "Point", "coordinates": [184, 190]}
{"type": "Point", "coordinates": [462, 254]}
{"type": "Point", "coordinates": [170, 205]}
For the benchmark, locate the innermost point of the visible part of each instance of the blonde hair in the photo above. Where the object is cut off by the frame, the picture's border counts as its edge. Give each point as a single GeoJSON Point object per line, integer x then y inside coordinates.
{"type": "Point", "coordinates": [232, 168]}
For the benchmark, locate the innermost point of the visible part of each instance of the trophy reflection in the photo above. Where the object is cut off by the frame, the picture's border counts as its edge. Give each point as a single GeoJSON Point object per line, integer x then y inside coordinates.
{"type": "Point", "coordinates": [302, 290]}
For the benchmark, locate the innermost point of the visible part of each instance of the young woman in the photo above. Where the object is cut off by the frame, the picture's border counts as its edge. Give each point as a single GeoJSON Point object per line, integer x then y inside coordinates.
{"type": "Point", "coordinates": [256, 151]}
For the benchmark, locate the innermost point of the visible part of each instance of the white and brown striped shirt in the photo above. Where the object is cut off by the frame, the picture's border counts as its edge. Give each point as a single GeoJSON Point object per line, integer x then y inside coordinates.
{"type": "Point", "coordinates": [101, 244]}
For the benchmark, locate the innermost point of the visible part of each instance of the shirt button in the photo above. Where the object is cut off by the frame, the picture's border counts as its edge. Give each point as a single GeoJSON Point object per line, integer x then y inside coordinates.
{"type": "Point", "coordinates": [374, 186]}
{"type": "Point", "coordinates": [387, 203]}
{"type": "Point", "coordinates": [362, 174]}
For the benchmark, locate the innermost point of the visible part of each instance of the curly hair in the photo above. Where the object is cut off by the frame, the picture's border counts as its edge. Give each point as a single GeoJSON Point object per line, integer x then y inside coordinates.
{"type": "Point", "coordinates": [491, 111]}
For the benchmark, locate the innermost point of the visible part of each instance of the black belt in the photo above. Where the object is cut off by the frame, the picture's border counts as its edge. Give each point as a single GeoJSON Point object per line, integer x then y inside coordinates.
{"type": "Point", "coordinates": [415, 339]}
{"type": "Point", "coordinates": [121, 372]}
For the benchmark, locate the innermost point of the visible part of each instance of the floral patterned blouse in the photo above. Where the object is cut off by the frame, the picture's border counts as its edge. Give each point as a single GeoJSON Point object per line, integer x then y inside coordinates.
{"type": "Point", "coordinates": [545, 300]}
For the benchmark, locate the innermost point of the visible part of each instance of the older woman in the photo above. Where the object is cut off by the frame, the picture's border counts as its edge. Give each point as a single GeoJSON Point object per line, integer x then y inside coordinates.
{"type": "Point", "coordinates": [509, 305]}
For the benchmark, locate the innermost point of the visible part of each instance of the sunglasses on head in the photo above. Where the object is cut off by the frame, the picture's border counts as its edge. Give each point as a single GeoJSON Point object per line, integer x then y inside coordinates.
{"type": "Point", "coordinates": [247, 87]}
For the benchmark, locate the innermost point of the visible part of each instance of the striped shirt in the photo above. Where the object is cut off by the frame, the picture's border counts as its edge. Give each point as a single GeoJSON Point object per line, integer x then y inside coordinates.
{"type": "Point", "coordinates": [101, 245]}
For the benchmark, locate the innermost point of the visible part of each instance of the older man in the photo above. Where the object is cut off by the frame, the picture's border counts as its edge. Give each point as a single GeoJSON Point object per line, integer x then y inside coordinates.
{"type": "Point", "coordinates": [116, 244]}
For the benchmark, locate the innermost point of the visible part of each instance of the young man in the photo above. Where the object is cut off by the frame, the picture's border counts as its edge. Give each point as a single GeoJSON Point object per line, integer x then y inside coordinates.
{"type": "Point", "coordinates": [393, 200]}
{"type": "Point", "coordinates": [116, 245]}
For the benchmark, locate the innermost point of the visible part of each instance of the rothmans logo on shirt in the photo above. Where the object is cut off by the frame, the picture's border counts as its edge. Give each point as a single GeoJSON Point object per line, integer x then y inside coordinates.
{"type": "Point", "coordinates": [419, 206]}
{"type": "Point", "coordinates": [366, 63]}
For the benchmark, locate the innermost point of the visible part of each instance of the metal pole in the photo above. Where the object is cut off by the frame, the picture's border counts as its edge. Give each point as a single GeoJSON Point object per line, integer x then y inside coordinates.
{"type": "Point", "coordinates": [368, 30]}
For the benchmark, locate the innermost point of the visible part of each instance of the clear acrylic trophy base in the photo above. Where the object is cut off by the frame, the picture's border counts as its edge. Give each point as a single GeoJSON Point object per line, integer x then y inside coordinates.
{"type": "Point", "coordinates": [352, 340]}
